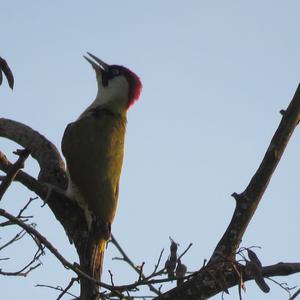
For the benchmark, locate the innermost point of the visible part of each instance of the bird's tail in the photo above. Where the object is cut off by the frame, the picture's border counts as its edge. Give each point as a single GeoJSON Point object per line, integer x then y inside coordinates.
{"type": "Point", "coordinates": [97, 259]}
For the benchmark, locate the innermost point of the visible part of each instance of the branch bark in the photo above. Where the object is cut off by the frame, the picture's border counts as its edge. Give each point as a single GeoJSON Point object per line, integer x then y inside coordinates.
{"type": "Point", "coordinates": [52, 167]}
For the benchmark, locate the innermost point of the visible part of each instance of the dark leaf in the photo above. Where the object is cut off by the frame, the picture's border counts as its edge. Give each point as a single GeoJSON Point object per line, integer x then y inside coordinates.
{"type": "Point", "coordinates": [7, 72]}
{"type": "Point", "coordinates": [255, 272]}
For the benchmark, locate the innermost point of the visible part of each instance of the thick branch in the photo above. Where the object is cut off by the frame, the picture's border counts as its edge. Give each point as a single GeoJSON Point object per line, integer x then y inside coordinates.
{"type": "Point", "coordinates": [281, 269]}
{"type": "Point", "coordinates": [204, 284]}
{"type": "Point", "coordinates": [247, 202]}
{"type": "Point", "coordinates": [46, 154]}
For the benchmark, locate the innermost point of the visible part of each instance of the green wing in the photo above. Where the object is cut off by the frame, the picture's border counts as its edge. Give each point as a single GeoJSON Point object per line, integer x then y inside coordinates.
{"type": "Point", "coordinates": [93, 148]}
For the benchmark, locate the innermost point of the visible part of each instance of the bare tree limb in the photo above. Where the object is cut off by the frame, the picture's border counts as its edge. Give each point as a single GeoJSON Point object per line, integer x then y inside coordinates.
{"type": "Point", "coordinates": [22, 210]}
{"type": "Point", "coordinates": [68, 213]}
{"type": "Point", "coordinates": [295, 295]}
{"type": "Point", "coordinates": [281, 269]}
{"type": "Point", "coordinates": [28, 267]}
{"type": "Point", "coordinates": [48, 157]}
{"type": "Point", "coordinates": [74, 267]}
{"type": "Point", "coordinates": [65, 290]}
{"type": "Point", "coordinates": [247, 202]}
{"type": "Point", "coordinates": [21, 272]}
{"type": "Point", "coordinates": [223, 257]}
{"type": "Point", "coordinates": [60, 289]}
{"type": "Point", "coordinates": [17, 237]}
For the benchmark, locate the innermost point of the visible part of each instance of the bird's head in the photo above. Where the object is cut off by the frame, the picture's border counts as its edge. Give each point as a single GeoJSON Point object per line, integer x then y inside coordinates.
{"type": "Point", "coordinates": [116, 84]}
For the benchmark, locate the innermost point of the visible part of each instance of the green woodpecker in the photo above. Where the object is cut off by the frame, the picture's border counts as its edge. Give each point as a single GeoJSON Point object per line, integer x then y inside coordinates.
{"type": "Point", "coordinates": [93, 145]}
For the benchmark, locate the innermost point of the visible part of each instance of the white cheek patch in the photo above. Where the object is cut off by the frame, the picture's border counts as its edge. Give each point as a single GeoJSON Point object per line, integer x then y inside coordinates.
{"type": "Point", "coordinates": [117, 88]}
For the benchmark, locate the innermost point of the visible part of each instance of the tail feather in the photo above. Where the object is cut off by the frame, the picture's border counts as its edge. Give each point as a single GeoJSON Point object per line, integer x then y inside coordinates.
{"type": "Point", "coordinates": [91, 262]}
{"type": "Point", "coordinates": [97, 259]}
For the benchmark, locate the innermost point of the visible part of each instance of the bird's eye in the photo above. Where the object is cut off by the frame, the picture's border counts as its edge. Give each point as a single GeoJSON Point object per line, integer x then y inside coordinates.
{"type": "Point", "coordinates": [115, 72]}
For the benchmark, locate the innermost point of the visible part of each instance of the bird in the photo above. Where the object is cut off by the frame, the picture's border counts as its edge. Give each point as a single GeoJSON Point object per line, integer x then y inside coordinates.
{"type": "Point", "coordinates": [93, 146]}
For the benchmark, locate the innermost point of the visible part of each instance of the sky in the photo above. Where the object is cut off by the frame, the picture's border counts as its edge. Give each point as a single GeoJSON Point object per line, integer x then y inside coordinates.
{"type": "Point", "coordinates": [215, 76]}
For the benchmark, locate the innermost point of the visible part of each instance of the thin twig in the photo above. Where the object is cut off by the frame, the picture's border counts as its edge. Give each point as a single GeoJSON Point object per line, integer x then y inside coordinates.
{"type": "Point", "coordinates": [111, 277]}
{"type": "Point", "coordinates": [141, 271]}
{"type": "Point", "coordinates": [17, 237]}
{"type": "Point", "coordinates": [158, 261]}
{"type": "Point", "coordinates": [58, 288]}
{"type": "Point", "coordinates": [65, 291]}
{"type": "Point", "coordinates": [74, 267]}
{"type": "Point", "coordinates": [295, 295]}
{"type": "Point", "coordinates": [25, 207]}
{"type": "Point", "coordinates": [185, 251]}
{"type": "Point", "coordinates": [130, 262]}
{"type": "Point", "coordinates": [11, 174]}
{"type": "Point", "coordinates": [30, 267]}
{"type": "Point", "coordinates": [18, 273]}
{"type": "Point", "coordinates": [283, 285]}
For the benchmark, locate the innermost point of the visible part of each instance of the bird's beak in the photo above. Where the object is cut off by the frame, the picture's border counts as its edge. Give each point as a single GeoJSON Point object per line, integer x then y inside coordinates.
{"type": "Point", "coordinates": [98, 64]}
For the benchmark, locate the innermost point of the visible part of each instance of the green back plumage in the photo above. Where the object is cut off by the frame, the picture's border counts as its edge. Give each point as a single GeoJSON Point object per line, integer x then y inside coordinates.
{"type": "Point", "coordinates": [93, 148]}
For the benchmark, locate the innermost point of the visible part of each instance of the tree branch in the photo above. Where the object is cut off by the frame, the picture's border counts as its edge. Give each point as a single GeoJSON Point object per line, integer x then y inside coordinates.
{"type": "Point", "coordinates": [50, 162]}
{"type": "Point", "coordinates": [30, 230]}
{"type": "Point", "coordinates": [247, 202]}
{"type": "Point", "coordinates": [219, 274]}
{"type": "Point", "coordinates": [54, 183]}
{"type": "Point", "coordinates": [203, 283]}
{"type": "Point", "coordinates": [17, 237]}
{"type": "Point", "coordinates": [60, 289]}
{"type": "Point", "coordinates": [281, 269]}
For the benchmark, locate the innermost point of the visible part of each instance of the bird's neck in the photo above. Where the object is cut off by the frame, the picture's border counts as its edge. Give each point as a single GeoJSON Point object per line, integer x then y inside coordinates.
{"type": "Point", "coordinates": [112, 104]}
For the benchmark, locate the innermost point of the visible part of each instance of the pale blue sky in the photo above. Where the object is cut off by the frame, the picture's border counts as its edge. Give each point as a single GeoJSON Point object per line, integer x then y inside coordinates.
{"type": "Point", "coordinates": [215, 75]}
